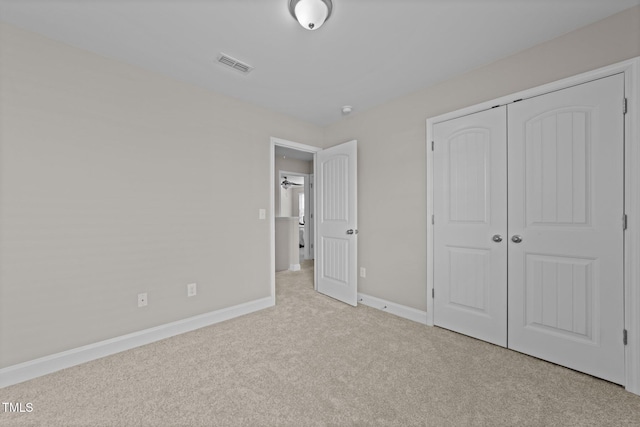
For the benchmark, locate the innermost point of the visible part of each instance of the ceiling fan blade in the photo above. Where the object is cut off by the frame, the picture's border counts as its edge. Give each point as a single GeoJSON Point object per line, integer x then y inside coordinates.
{"type": "Point", "coordinates": [286, 183]}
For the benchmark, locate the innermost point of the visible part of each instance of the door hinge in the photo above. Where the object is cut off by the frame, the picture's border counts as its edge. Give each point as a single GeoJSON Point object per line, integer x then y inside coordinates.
{"type": "Point", "coordinates": [624, 336]}
{"type": "Point", "coordinates": [312, 246]}
{"type": "Point", "coordinates": [433, 292]}
{"type": "Point", "coordinates": [624, 106]}
{"type": "Point", "coordinates": [311, 215]}
{"type": "Point", "coordinates": [311, 185]}
{"type": "Point", "coordinates": [624, 221]}
{"type": "Point", "coordinates": [433, 220]}
{"type": "Point", "coordinates": [432, 145]}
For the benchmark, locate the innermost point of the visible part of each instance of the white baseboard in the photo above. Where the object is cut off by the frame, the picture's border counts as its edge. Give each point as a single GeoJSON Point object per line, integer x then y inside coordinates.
{"type": "Point", "coordinates": [294, 267]}
{"type": "Point", "coordinates": [45, 365]}
{"type": "Point", "coordinates": [394, 308]}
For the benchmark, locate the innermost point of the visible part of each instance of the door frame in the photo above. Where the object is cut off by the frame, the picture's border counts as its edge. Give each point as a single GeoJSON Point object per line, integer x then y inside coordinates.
{"type": "Point", "coordinates": [631, 71]}
{"type": "Point", "coordinates": [272, 219]}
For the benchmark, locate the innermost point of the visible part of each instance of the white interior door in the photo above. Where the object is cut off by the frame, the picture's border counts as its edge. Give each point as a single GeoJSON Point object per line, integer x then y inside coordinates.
{"type": "Point", "coordinates": [566, 204]}
{"type": "Point", "coordinates": [470, 213]}
{"type": "Point", "coordinates": [336, 221]}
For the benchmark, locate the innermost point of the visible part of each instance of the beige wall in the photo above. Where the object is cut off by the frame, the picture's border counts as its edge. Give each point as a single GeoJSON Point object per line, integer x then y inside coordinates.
{"type": "Point", "coordinates": [287, 237]}
{"type": "Point", "coordinates": [285, 202]}
{"type": "Point", "coordinates": [112, 180]}
{"type": "Point", "coordinates": [391, 147]}
{"type": "Point", "coordinates": [295, 200]}
{"type": "Point", "coordinates": [116, 181]}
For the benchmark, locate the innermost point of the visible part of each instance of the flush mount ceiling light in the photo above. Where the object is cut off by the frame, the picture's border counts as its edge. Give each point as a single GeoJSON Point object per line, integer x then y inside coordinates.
{"type": "Point", "coordinates": [311, 14]}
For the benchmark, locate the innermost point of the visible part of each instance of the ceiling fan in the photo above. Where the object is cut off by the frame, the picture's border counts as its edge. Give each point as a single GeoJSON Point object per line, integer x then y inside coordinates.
{"type": "Point", "coordinates": [286, 184]}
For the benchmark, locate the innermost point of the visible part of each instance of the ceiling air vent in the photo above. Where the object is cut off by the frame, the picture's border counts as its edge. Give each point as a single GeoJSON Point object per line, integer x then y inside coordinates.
{"type": "Point", "coordinates": [234, 63]}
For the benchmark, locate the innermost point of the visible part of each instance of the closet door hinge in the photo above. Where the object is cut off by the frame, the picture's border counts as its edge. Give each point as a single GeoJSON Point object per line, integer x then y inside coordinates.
{"type": "Point", "coordinates": [624, 336]}
{"type": "Point", "coordinates": [624, 221]}
{"type": "Point", "coordinates": [432, 145]}
{"type": "Point", "coordinates": [433, 292]}
{"type": "Point", "coordinates": [624, 106]}
{"type": "Point", "coordinates": [433, 221]}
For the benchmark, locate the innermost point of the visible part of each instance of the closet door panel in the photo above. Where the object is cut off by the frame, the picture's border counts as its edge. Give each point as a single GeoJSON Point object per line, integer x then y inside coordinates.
{"type": "Point", "coordinates": [470, 208]}
{"type": "Point", "coordinates": [566, 203]}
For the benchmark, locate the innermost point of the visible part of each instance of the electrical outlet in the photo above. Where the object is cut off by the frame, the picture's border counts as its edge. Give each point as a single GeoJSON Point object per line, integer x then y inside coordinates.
{"type": "Point", "coordinates": [363, 272]}
{"type": "Point", "coordinates": [142, 299]}
{"type": "Point", "coordinates": [262, 214]}
{"type": "Point", "coordinates": [191, 290]}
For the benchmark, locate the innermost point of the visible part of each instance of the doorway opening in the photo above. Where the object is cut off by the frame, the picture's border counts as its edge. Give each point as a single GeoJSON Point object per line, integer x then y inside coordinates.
{"type": "Point", "coordinates": [296, 202]}
{"type": "Point", "coordinates": [292, 168]}
{"type": "Point", "coordinates": [334, 228]}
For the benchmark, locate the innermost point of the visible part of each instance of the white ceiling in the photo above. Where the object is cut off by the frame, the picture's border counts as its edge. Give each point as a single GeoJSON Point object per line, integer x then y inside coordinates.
{"type": "Point", "coordinates": [368, 52]}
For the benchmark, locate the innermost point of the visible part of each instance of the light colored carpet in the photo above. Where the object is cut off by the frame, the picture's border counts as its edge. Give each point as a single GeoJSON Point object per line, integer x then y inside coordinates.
{"type": "Point", "coordinates": [312, 361]}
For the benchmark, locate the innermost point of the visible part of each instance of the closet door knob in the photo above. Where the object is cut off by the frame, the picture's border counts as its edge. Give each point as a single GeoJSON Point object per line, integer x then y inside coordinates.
{"type": "Point", "coordinates": [497, 238]}
{"type": "Point", "coordinates": [516, 239]}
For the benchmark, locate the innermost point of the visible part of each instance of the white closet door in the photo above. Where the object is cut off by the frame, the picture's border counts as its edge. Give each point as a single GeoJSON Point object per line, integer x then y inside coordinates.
{"type": "Point", "coordinates": [566, 205]}
{"type": "Point", "coordinates": [470, 207]}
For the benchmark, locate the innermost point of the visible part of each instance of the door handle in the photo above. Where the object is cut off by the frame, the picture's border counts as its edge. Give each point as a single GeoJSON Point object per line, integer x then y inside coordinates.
{"type": "Point", "coordinates": [497, 238]}
{"type": "Point", "coordinates": [516, 239]}
{"type": "Point", "coordinates": [352, 231]}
